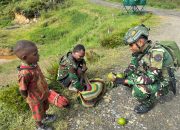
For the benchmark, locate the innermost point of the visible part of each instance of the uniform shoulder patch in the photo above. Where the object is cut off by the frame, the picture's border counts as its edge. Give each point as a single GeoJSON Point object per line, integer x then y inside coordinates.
{"type": "Point", "coordinates": [158, 57]}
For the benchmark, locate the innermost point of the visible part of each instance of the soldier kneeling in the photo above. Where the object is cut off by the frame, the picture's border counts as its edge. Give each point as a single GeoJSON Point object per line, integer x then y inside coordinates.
{"type": "Point", "coordinates": [147, 72]}
{"type": "Point", "coordinates": [72, 67]}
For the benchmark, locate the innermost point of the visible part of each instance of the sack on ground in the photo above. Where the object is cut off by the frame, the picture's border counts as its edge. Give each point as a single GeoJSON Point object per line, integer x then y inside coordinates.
{"type": "Point", "coordinates": [90, 98]}
{"type": "Point", "coordinates": [57, 100]}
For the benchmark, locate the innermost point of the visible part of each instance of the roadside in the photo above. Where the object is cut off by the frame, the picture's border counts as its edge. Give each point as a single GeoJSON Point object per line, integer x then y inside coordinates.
{"type": "Point", "coordinates": [119, 103]}
{"type": "Point", "coordinates": [167, 30]}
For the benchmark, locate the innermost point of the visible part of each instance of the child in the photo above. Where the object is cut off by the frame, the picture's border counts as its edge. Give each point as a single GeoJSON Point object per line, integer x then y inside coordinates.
{"type": "Point", "coordinates": [33, 85]}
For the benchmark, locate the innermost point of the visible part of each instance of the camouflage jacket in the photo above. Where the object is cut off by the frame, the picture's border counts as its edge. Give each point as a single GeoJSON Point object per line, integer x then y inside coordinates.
{"type": "Point", "coordinates": [68, 65]}
{"type": "Point", "coordinates": [149, 66]}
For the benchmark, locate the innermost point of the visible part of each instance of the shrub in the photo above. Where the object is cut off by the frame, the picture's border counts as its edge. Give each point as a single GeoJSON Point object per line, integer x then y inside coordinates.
{"type": "Point", "coordinates": [4, 2]}
{"type": "Point", "coordinates": [92, 56]}
{"type": "Point", "coordinates": [113, 40]}
{"type": "Point", "coordinates": [117, 38]}
{"type": "Point", "coordinates": [52, 71]}
{"type": "Point", "coordinates": [30, 13]}
{"type": "Point", "coordinates": [53, 84]}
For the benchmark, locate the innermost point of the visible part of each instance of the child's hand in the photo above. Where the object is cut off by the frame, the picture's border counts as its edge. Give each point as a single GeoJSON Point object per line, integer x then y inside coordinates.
{"type": "Point", "coordinates": [24, 93]}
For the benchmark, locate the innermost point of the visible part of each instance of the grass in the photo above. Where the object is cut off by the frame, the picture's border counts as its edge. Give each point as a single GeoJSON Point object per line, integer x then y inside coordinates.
{"type": "Point", "coordinates": [165, 4]}
{"type": "Point", "coordinates": [59, 30]}
{"type": "Point", "coordinates": [55, 33]}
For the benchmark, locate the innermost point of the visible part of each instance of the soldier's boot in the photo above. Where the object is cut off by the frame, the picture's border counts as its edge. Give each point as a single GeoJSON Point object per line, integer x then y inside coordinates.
{"type": "Point", "coordinates": [172, 88]}
{"type": "Point", "coordinates": [145, 106]}
{"type": "Point", "coordinates": [142, 108]}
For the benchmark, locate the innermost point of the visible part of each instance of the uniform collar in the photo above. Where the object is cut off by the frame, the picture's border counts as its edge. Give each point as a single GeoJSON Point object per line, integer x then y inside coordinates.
{"type": "Point", "coordinates": [147, 46]}
{"type": "Point", "coordinates": [69, 55]}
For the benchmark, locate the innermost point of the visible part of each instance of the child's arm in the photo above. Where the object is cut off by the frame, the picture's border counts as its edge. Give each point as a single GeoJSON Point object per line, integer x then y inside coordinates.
{"type": "Point", "coordinates": [24, 80]}
{"type": "Point", "coordinates": [24, 93]}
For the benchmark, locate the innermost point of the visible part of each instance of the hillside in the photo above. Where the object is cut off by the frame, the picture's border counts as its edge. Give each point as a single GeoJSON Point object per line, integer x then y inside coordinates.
{"type": "Point", "coordinates": [57, 30]}
{"type": "Point", "coordinates": [101, 30]}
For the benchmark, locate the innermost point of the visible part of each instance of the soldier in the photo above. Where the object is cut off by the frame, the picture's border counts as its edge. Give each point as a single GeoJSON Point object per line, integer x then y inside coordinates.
{"type": "Point", "coordinates": [72, 67]}
{"type": "Point", "coordinates": [147, 73]}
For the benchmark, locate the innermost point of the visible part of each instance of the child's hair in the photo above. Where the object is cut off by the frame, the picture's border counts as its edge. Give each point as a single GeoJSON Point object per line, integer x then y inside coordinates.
{"type": "Point", "coordinates": [78, 47]}
{"type": "Point", "coordinates": [22, 47]}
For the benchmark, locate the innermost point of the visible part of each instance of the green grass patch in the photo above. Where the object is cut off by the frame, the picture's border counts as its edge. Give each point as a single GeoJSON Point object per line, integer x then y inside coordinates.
{"type": "Point", "coordinates": [165, 4]}
{"type": "Point", "coordinates": [27, 8]}
{"type": "Point", "coordinates": [11, 105]}
{"type": "Point", "coordinates": [60, 29]}
{"type": "Point", "coordinates": [10, 98]}
{"type": "Point", "coordinates": [5, 21]}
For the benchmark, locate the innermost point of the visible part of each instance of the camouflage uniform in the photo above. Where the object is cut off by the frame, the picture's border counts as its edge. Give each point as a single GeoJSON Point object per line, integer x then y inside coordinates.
{"type": "Point", "coordinates": [68, 72]}
{"type": "Point", "coordinates": [147, 73]}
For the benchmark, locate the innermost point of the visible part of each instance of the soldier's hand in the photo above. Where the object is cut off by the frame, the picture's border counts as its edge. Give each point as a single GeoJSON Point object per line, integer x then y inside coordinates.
{"type": "Point", "coordinates": [79, 71]}
{"type": "Point", "coordinates": [84, 68]}
{"type": "Point", "coordinates": [135, 54]}
{"type": "Point", "coordinates": [119, 81]}
{"type": "Point", "coordinates": [111, 76]}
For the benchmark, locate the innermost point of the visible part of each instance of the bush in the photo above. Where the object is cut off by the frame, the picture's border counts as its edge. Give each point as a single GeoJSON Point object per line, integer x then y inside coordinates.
{"type": "Point", "coordinates": [30, 13]}
{"type": "Point", "coordinates": [10, 98]}
{"type": "Point", "coordinates": [117, 38]}
{"type": "Point", "coordinates": [52, 71]}
{"type": "Point", "coordinates": [53, 84]}
{"type": "Point", "coordinates": [113, 40]}
{"type": "Point", "coordinates": [5, 2]}
{"type": "Point", "coordinates": [92, 56]}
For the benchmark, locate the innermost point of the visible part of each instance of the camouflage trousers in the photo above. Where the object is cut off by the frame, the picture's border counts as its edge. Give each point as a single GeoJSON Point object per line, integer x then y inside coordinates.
{"type": "Point", "coordinates": [73, 80]}
{"type": "Point", "coordinates": [148, 94]}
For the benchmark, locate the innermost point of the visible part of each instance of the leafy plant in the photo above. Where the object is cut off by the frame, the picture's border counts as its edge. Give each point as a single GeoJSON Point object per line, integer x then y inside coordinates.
{"type": "Point", "coordinates": [113, 40]}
